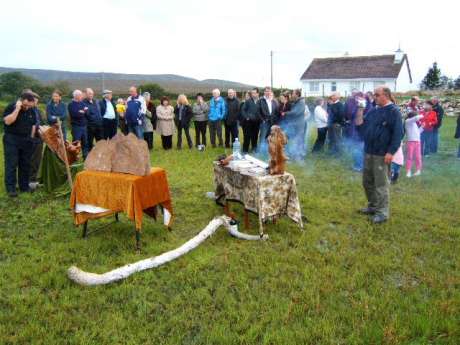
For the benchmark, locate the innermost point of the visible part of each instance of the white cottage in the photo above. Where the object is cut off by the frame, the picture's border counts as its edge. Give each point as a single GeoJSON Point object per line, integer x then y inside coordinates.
{"type": "Point", "coordinates": [363, 73]}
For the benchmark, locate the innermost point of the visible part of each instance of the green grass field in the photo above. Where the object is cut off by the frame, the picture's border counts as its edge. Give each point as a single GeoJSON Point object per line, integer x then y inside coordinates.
{"type": "Point", "coordinates": [342, 281]}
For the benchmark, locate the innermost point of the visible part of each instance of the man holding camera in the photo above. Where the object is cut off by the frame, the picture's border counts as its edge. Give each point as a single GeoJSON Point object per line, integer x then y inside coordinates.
{"type": "Point", "coordinates": [20, 127]}
{"type": "Point", "coordinates": [382, 132]}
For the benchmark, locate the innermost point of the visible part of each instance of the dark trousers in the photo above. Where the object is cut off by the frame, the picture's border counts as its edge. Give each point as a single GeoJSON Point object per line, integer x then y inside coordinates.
{"type": "Point", "coordinates": [435, 140]}
{"type": "Point", "coordinates": [215, 129]}
{"type": "Point", "coordinates": [250, 135]}
{"type": "Point", "coordinates": [166, 142]}
{"type": "Point", "coordinates": [123, 127]}
{"type": "Point", "coordinates": [320, 140]}
{"type": "Point", "coordinates": [148, 137]}
{"type": "Point", "coordinates": [81, 134]}
{"type": "Point", "coordinates": [95, 132]}
{"type": "Point", "coordinates": [231, 132]}
{"type": "Point", "coordinates": [17, 151]}
{"type": "Point", "coordinates": [186, 128]}
{"type": "Point", "coordinates": [335, 138]}
{"type": "Point", "coordinates": [427, 142]}
{"type": "Point", "coordinates": [110, 128]}
{"type": "Point", "coordinates": [200, 131]}
{"type": "Point", "coordinates": [36, 159]}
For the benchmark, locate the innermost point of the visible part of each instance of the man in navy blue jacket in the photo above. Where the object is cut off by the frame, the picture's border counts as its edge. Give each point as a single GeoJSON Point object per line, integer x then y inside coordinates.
{"type": "Point", "coordinates": [77, 112]}
{"type": "Point", "coordinates": [94, 117]}
{"type": "Point", "coordinates": [382, 131]}
{"type": "Point", "coordinates": [135, 112]}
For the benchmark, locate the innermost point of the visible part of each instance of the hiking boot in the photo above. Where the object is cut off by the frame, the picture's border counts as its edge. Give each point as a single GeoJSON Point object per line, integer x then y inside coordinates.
{"type": "Point", "coordinates": [417, 173]}
{"type": "Point", "coordinates": [379, 219]}
{"type": "Point", "coordinates": [409, 174]}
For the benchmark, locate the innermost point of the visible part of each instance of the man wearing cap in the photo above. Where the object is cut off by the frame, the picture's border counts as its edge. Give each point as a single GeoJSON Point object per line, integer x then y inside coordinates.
{"type": "Point", "coordinates": [109, 115]}
{"type": "Point", "coordinates": [20, 125]}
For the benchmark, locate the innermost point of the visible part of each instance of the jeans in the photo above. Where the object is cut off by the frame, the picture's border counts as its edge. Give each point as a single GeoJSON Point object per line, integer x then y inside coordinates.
{"type": "Point", "coordinates": [17, 151]}
{"type": "Point", "coordinates": [395, 169]}
{"type": "Point", "coordinates": [200, 131]}
{"type": "Point", "coordinates": [80, 134]}
{"type": "Point", "coordinates": [357, 154]}
{"type": "Point", "coordinates": [264, 132]}
{"type": "Point", "coordinates": [427, 142]}
{"type": "Point", "coordinates": [110, 128]}
{"type": "Point", "coordinates": [435, 141]}
{"type": "Point", "coordinates": [320, 140]}
{"type": "Point", "coordinates": [215, 129]}
{"type": "Point", "coordinates": [376, 184]}
{"type": "Point", "coordinates": [250, 135]}
{"type": "Point", "coordinates": [137, 130]}
{"type": "Point", "coordinates": [231, 133]}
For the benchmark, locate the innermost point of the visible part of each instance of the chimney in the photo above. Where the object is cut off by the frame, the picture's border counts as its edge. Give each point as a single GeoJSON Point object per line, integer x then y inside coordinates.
{"type": "Point", "coordinates": [399, 56]}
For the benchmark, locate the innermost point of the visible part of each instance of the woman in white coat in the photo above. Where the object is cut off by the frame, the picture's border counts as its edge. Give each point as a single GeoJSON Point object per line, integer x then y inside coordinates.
{"type": "Point", "coordinates": [165, 122]}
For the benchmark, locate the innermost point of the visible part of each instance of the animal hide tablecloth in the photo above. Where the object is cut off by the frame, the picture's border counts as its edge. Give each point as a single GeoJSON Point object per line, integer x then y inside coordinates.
{"type": "Point", "coordinates": [270, 196]}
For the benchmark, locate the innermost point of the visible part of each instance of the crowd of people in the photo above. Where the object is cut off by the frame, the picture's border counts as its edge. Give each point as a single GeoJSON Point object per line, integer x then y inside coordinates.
{"type": "Point", "coordinates": [369, 125]}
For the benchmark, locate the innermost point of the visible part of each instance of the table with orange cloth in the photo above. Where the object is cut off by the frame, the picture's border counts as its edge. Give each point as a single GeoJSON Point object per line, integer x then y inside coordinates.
{"type": "Point", "coordinates": [107, 193]}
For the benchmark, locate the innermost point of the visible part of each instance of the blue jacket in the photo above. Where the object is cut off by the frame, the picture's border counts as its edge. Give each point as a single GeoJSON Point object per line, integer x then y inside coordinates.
{"type": "Point", "coordinates": [382, 130]}
{"type": "Point", "coordinates": [135, 110]}
{"type": "Point", "coordinates": [93, 114]}
{"type": "Point", "coordinates": [217, 109]}
{"type": "Point", "coordinates": [77, 114]}
{"type": "Point", "coordinates": [56, 111]}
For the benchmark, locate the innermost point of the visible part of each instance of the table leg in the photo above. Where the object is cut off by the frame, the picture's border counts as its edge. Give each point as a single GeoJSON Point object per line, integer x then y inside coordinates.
{"type": "Point", "coordinates": [116, 217]}
{"type": "Point", "coordinates": [261, 228]}
{"type": "Point", "coordinates": [138, 240]}
{"type": "Point", "coordinates": [227, 210]}
{"type": "Point", "coordinates": [85, 229]}
{"type": "Point", "coordinates": [246, 219]}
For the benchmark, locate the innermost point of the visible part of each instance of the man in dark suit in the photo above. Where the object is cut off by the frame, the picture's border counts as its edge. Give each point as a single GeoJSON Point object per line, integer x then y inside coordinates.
{"type": "Point", "coordinates": [250, 121]}
{"type": "Point", "coordinates": [268, 112]}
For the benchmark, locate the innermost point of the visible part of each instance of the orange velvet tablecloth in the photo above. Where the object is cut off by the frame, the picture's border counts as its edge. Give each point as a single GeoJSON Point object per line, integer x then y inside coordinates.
{"type": "Point", "coordinates": [119, 192]}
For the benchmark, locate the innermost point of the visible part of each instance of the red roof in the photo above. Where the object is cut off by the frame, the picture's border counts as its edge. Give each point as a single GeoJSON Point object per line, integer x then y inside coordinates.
{"type": "Point", "coordinates": [355, 67]}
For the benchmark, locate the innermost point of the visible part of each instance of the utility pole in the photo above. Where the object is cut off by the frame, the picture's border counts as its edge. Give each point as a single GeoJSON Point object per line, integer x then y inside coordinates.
{"type": "Point", "coordinates": [103, 82]}
{"type": "Point", "coordinates": [271, 69]}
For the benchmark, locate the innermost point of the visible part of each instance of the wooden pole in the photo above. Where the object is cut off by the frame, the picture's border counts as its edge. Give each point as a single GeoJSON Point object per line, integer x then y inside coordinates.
{"type": "Point", "coordinates": [67, 166]}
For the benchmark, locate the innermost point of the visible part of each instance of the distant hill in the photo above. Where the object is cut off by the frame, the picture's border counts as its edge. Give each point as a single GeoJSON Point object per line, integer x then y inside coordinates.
{"type": "Point", "coordinates": [119, 82]}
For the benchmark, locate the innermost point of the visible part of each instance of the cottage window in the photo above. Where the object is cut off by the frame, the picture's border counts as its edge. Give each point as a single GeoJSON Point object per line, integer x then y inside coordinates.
{"type": "Point", "coordinates": [355, 85]}
{"type": "Point", "coordinates": [314, 86]}
{"type": "Point", "coordinates": [378, 83]}
{"type": "Point", "coordinates": [333, 86]}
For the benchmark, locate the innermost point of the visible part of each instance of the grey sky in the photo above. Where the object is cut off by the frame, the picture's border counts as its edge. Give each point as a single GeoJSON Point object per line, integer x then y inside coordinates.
{"type": "Point", "coordinates": [225, 40]}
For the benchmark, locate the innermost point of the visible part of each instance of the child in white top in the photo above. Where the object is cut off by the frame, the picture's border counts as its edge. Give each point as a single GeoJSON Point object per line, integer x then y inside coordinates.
{"type": "Point", "coordinates": [414, 149]}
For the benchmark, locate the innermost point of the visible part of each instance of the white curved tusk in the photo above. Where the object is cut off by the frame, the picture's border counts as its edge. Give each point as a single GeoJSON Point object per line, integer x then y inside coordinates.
{"type": "Point", "coordinates": [87, 278]}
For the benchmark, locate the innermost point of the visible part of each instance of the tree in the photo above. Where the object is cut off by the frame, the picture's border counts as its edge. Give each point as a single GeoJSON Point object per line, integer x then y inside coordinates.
{"type": "Point", "coordinates": [432, 80]}
{"type": "Point", "coordinates": [155, 90]}
{"type": "Point", "coordinates": [446, 83]}
{"type": "Point", "coordinates": [457, 83]}
{"type": "Point", "coordinates": [13, 83]}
